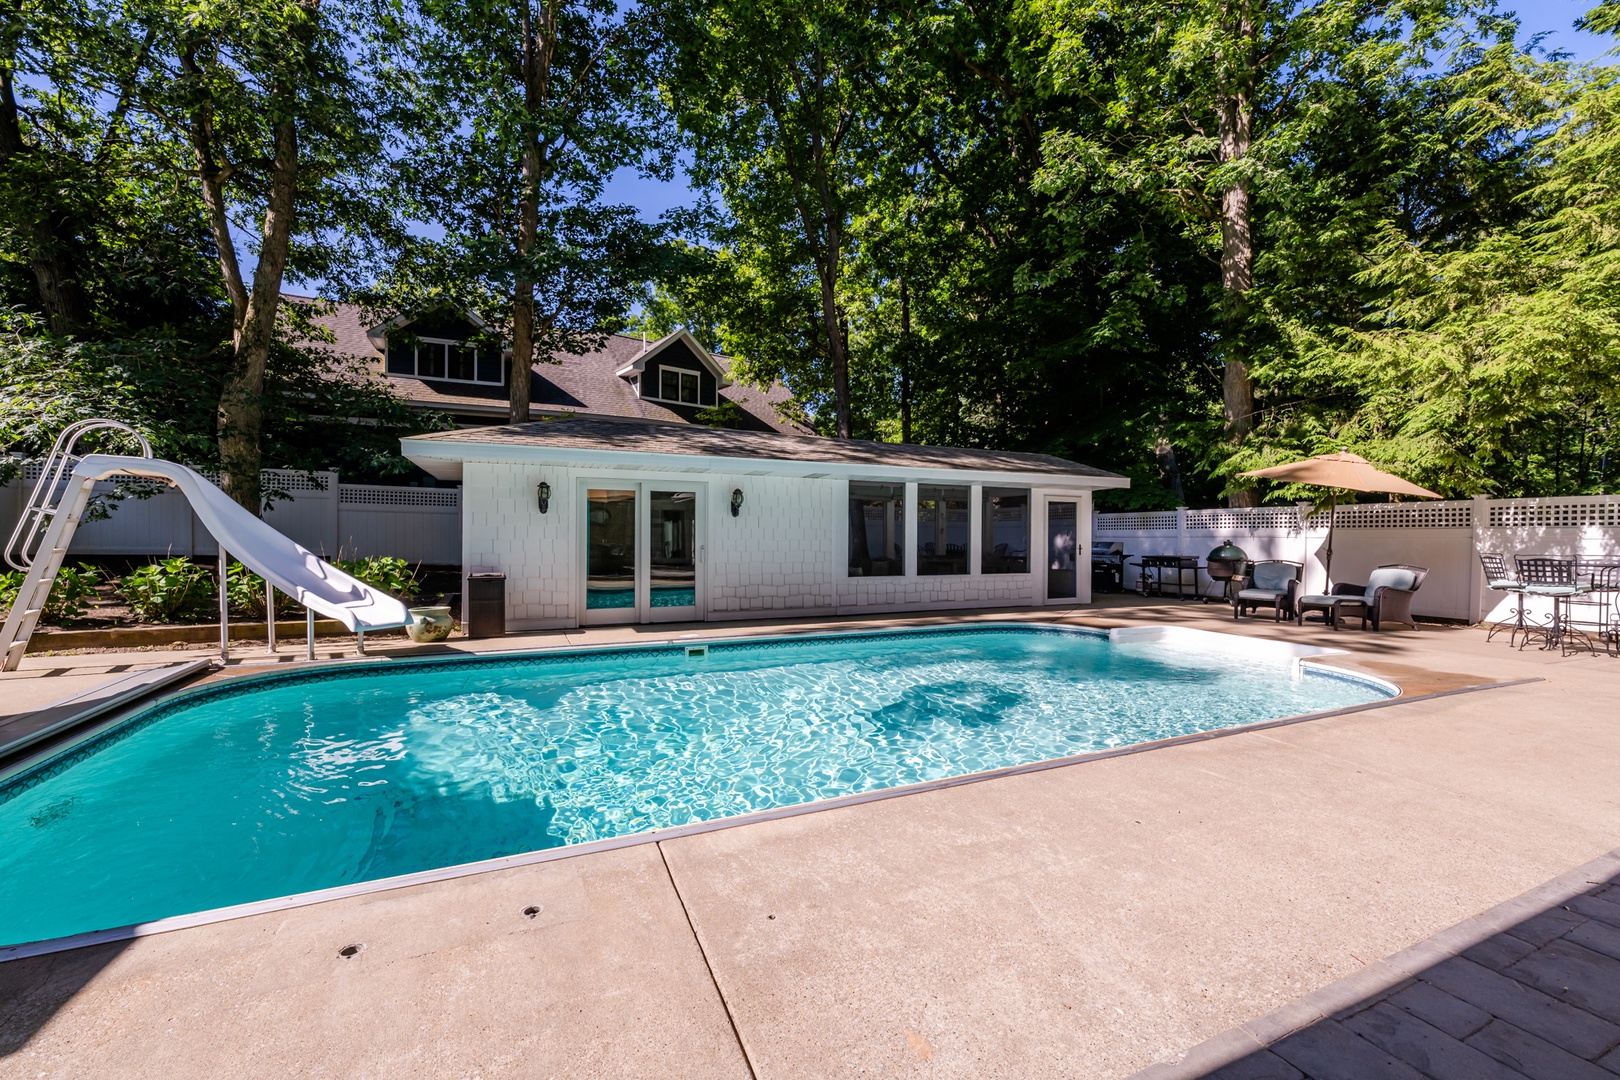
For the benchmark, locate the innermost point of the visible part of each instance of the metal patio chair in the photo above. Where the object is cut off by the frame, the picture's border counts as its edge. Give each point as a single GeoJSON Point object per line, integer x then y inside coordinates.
{"type": "Point", "coordinates": [1553, 578]}
{"type": "Point", "coordinates": [1499, 579]}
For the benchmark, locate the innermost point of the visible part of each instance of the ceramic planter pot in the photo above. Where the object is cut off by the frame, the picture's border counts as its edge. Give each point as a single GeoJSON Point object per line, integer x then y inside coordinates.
{"type": "Point", "coordinates": [431, 624]}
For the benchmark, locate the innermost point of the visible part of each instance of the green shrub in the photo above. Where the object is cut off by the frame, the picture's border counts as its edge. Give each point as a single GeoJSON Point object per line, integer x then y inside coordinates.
{"type": "Point", "coordinates": [245, 589]}
{"type": "Point", "coordinates": [393, 576]}
{"type": "Point", "coordinates": [173, 590]}
{"type": "Point", "coordinates": [72, 587]}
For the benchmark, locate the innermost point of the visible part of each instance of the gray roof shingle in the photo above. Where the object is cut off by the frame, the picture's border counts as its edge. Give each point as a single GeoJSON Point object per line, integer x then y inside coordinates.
{"type": "Point", "coordinates": [656, 437]}
{"type": "Point", "coordinates": [585, 384]}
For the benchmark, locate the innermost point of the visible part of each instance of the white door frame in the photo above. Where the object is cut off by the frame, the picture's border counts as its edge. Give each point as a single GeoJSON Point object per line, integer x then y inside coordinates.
{"type": "Point", "coordinates": [642, 611]}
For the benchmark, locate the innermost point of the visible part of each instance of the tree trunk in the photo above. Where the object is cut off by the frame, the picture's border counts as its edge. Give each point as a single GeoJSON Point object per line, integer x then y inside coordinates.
{"type": "Point", "coordinates": [241, 401]}
{"type": "Point", "coordinates": [1237, 248]}
{"type": "Point", "coordinates": [59, 295]}
{"type": "Point", "coordinates": [905, 362]}
{"type": "Point", "coordinates": [537, 47]}
{"type": "Point", "coordinates": [837, 343]}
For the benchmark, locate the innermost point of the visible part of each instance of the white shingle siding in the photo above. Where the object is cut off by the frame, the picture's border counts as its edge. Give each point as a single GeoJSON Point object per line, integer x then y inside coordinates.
{"type": "Point", "coordinates": [786, 553]}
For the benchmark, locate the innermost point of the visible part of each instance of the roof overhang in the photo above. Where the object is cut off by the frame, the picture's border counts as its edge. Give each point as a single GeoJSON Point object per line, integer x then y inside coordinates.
{"type": "Point", "coordinates": [444, 460]}
{"type": "Point", "coordinates": [639, 364]}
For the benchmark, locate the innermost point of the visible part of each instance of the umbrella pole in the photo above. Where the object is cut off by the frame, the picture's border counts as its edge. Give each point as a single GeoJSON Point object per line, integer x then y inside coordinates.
{"type": "Point", "coordinates": [1333, 519]}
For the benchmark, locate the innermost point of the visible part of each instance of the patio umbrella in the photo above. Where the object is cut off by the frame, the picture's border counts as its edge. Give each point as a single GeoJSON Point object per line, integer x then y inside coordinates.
{"type": "Point", "coordinates": [1343, 471]}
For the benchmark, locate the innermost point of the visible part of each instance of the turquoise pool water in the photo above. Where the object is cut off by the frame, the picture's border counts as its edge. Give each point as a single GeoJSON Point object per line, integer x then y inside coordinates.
{"type": "Point", "coordinates": [289, 784]}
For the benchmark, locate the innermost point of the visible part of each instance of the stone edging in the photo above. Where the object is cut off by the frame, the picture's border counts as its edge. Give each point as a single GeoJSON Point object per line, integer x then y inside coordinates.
{"type": "Point", "coordinates": [191, 633]}
{"type": "Point", "coordinates": [1379, 976]}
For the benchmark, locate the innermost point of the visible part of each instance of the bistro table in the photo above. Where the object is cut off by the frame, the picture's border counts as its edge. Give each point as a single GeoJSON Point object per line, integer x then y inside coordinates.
{"type": "Point", "coordinates": [1555, 579]}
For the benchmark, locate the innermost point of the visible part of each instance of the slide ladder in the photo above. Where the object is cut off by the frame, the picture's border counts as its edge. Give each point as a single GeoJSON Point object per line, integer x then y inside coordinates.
{"type": "Point", "coordinates": [40, 541]}
{"type": "Point", "coordinates": [45, 530]}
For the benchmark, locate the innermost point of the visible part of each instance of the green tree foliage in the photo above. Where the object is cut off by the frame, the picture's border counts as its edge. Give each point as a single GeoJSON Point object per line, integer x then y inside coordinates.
{"type": "Point", "coordinates": [514, 118]}
{"type": "Point", "coordinates": [1492, 360]}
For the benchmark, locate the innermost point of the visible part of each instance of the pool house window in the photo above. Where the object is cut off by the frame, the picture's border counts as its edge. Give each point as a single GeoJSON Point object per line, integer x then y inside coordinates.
{"type": "Point", "coordinates": [942, 530]}
{"type": "Point", "coordinates": [453, 361]}
{"type": "Point", "coordinates": [877, 530]}
{"type": "Point", "coordinates": [1005, 543]}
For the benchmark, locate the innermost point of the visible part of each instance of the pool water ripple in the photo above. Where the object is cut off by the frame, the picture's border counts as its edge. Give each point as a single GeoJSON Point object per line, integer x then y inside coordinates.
{"type": "Point", "coordinates": [308, 784]}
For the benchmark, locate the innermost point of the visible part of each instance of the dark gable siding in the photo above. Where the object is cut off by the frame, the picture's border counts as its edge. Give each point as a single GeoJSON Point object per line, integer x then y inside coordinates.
{"type": "Point", "coordinates": [680, 355]}
{"type": "Point", "coordinates": [449, 327]}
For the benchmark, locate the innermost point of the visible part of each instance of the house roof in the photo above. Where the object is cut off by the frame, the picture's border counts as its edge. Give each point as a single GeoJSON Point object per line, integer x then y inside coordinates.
{"type": "Point", "coordinates": [582, 384]}
{"type": "Point", "coordinates": [649, 437]}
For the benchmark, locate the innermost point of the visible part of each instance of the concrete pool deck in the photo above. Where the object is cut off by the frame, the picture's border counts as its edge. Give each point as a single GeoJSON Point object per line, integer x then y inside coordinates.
{"type": "Point", "coordinates": [1090, 920]}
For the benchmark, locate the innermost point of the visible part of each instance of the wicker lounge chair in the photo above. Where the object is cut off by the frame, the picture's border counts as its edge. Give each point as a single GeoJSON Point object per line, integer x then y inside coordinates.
{"type": "Point", "coordinates": [1387, 597]}
{"type": "Point", "coordinates": [1272, 583]}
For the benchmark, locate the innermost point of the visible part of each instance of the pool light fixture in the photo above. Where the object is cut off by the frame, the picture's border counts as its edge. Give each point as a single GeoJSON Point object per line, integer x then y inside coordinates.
{"type": "Point", "coordinates": [545, 496]}
{"type": "Point", "coordinates": [736, 501]}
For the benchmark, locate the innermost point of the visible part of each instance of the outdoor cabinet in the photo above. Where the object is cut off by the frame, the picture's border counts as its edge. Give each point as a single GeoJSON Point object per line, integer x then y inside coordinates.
{"type": "Point", "coordinates": [486, 604]}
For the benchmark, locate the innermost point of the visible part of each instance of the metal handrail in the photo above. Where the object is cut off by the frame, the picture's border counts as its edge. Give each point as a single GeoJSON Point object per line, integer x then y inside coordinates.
{"type": "Point", "coordinates": [58, 465]}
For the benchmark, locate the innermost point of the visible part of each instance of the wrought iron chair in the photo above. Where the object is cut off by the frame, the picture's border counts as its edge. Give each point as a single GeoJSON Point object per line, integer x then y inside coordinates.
{"type": "Point", "coordinates": [1601, 577]}
{"type": "Point", "coordinates": [1553, 578]}
{"type": "Point", "coordinates": [1271, 583]}
{"type": "Point", "coordinates": [1499, 579]}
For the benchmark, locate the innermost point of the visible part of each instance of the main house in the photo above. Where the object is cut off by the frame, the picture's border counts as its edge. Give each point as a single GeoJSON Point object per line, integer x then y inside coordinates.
{"type": "Point", "coordinates": [648, 487]}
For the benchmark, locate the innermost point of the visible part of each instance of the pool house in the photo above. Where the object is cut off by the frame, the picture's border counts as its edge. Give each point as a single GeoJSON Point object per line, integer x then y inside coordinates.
{"type": "Point", "coordinates": [596, 520]}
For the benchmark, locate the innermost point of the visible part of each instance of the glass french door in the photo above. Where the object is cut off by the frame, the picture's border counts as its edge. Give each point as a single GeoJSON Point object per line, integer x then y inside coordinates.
{"type": "Point", "coordinates": [610, 555]}
{"type": "Point", "coordinates": [642, 554]}
{"type": "Point", "coordinates": [1062, 549]}
{"type": "Point", "coordinates": [672, 555]}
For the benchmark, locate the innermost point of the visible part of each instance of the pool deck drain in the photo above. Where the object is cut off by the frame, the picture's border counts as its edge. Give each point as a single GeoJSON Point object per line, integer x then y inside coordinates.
{"type": "Point", "coordinates": [1069, 922]}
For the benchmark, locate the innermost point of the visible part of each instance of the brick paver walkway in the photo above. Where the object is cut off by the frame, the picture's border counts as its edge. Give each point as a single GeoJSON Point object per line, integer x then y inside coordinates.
{"type": "Point", "coordinates": [1540, 999]}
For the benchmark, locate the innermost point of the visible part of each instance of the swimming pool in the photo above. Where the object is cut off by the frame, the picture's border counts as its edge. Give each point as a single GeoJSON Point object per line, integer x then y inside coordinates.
{"type": "Point", "coordinates": [259, 788]}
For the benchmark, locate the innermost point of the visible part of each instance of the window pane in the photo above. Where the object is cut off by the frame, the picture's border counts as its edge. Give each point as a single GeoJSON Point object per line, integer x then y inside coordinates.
{"type": "Point", "coordinates": [689, 388]}
{"type": "Point", "coordinates": [430, 360]}
{"type": "Point", "coordinates": [1006, 531]}
{"type": "Point", "coordinates": [489, 365]}
{"type": "Point", "coordinates": [877, 530]}
{"type": "Point", "coordinates": [610, 543]}
{"type": "Point", "coordinates": [1062, 550]}
{"type": "Point", "coordinates": [462, 362]}
{"type": "Point", "coordinates": [401, 359]}
{"type": "Point", "coordinates": [942, 530]}
{"type": "Point", "coordinates": [673, 570]}
{"type": "Point", "coordinates": [669, 385]}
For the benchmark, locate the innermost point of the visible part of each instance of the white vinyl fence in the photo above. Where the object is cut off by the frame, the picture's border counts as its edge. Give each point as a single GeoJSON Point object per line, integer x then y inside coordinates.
{"type": "Point", "coordinates": [332, 519]}
{"type": "Point", "coordinates": [1445, 537]}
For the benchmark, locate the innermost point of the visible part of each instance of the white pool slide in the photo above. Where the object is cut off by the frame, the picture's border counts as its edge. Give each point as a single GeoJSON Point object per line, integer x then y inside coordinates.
{"type": "Point", "coordinates": [281, 561]}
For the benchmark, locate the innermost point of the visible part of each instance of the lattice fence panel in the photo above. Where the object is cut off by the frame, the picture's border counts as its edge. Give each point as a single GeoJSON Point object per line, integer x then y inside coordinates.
{"type": "Point", "coordinates": [1439, 515]}
{"type": "Point", "coordinates": [1283, 519]}
{"type": "Point", "coordinates": [1551, 514]}
{"type": "Point", "coordinates": [1153, 521]}
{"type": "Point", "coordinates": [405, 497]}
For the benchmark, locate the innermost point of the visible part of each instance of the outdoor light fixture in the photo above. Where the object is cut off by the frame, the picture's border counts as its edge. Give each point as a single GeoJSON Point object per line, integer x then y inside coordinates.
{"type": "Point", "coordinates": [545, 496]}
{"type": "Point", "coordinates": [736, 501]}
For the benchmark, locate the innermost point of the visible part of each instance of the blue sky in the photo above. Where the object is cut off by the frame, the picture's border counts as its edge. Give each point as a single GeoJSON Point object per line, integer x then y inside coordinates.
{"type": "Point", "coordinates": [1557, 17]}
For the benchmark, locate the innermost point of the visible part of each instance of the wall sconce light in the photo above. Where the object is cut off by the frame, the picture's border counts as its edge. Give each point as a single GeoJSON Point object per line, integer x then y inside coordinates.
{"type": "Point", "coordinates": [736, 501]}
{"type": "Point", "coordinates": [545, 496]}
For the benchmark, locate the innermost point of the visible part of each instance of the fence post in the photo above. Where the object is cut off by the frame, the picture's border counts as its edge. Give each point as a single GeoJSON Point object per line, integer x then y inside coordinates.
{"type": "Point", "coordinates": [334, 516]}
{"type": "Point", "coordinates": [1480, 519]}
{"type": "Point", "coordinates": [1181, 530]}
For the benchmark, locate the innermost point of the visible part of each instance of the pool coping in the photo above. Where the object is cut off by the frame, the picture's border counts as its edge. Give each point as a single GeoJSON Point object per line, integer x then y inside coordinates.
{"type": "Point", "coordinates": [1302, 654]}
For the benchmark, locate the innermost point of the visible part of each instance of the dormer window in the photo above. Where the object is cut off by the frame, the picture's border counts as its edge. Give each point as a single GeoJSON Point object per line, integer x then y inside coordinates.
{"type": "Point", "coordinates": [679, 385]}
{"type": "Point", "coordinates": [452, 361]}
